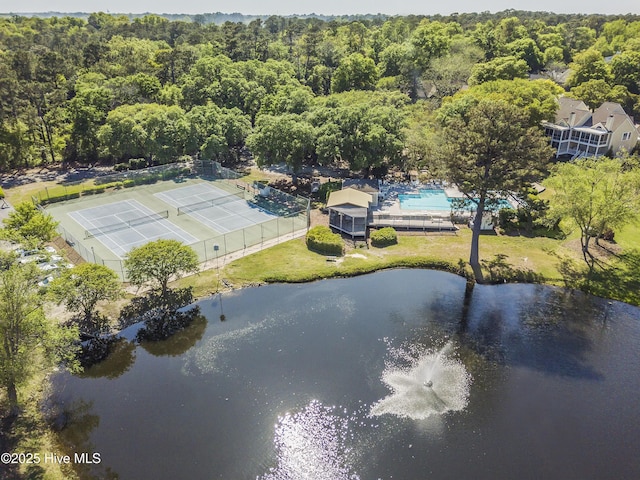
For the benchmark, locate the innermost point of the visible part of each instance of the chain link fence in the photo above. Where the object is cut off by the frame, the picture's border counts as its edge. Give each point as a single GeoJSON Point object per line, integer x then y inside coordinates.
{"type": "Point", "coordinates": [292, 214]}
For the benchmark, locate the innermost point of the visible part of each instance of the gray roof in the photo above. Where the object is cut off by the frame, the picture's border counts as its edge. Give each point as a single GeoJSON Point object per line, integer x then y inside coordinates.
{"type": "Point", "coordinates": [351, 211]}
{"type": "Point", "coordinates": [582, 116]}
{"type": "Point", "coordinates": [569, 106]}
{"type": "Point", "coordinates": [607, 109]}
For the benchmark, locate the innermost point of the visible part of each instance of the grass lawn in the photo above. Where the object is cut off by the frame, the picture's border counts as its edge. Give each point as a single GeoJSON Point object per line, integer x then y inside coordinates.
{"type": "Point", "coordinates": [31, 432]}
{"type": "Point", "coordinates": [515, 258]}
{"type": "Point", "coordinates": [293, 262]}
{"type": "Point", "coordinates": [24, 193]}
{"type": "Point", "coordinates": [519, 258]}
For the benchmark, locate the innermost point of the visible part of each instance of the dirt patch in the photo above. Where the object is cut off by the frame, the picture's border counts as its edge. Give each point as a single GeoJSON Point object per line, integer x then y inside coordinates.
{"type": "Point", "coordinates": [57, 312]}
{"type": "Point", "coordinates": [605, 251]}
{"type": "Point", "coordinates": [319, 218]}
{"type": "Point", "coordinates": [57, 173]}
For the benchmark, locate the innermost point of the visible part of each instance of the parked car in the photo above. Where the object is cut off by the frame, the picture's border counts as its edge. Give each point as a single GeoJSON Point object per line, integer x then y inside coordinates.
{"type": "Point", "coordinates": [45, 281]}
{"type": "Point", "coordinates": [48, 267]}
{"type": "Point", "coordinates": [32, 258]}
{"type": "Point", "coordinates": [26, 253]}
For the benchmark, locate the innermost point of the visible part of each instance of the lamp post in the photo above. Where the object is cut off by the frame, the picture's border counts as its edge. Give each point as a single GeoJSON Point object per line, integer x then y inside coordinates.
{"type": "Point", "coordinates": [216, 248]}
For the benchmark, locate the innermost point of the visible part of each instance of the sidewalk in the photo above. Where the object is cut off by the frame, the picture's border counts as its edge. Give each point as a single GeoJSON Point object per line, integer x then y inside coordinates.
{"type": "Point", "coordinates": [4, 212]}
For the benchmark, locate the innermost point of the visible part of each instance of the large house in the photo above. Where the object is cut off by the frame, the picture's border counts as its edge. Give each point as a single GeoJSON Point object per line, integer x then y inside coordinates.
{"type": "Point", "coordinates": [578, 132]}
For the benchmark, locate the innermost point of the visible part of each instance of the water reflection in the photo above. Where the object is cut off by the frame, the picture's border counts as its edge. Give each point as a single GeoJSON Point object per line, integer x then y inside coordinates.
{"type": "Point", "coordinates": [550, 375]}
{"type": "Point", "coordinates": [75, 421]}
{"type": "Point", "coordinates": [548, 329]}
{"type": "Point", "coordinates": [121, 358]}
{"type": "Point", "coordinates": [312, 444]}
{"type": "Point", "coordinates": [180, 342]}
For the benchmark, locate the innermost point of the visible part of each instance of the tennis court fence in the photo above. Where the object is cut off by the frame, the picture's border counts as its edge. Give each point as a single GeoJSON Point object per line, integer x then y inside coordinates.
{"type": "Point", "coordinates": [209, 249]}
{"type": "Point", "coordinates": [292, 213]}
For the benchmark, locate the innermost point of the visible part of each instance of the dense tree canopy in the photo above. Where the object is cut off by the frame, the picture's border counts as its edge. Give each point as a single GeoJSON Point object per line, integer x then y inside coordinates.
{"type": "Point", "coordinates": [536, 99]}
{"type": "Point", "coordinates": [284, 138]}
{"type": "Point", "coordinates": [110, 87]}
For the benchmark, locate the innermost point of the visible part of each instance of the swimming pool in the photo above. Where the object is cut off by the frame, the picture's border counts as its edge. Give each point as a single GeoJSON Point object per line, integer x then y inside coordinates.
{"type": "Point", "coordinates": [436, 200]}
{"type": "Point", "coordinates": [425, 200]}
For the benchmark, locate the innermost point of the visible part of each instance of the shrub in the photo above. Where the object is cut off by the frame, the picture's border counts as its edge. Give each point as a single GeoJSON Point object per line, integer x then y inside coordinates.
{"type": "Point", "coordinates": [137, 163]}
{"type": "Point", "coordinates": [109, 185]}
{"type": "Point", "coordinates": [173, 173]}
{"type": "Point", "coordinates": [608, 235]}
{"type": "Point", "coordinates": [326, 188]}
{"type": "Point", "coordinates": [146, 179]}
{"type": "Point", "coordinates": [506, 216]}
{"type": "Point", "coordinates": [322, 240]}
{"type": "Point", "coordinates": [121, 167]}
{"type": "Point", "coordinates": [384, 237]}
{"type": "Point", "coordinates": [60, 198]}
{"type": "Point", "coordinates": [128, 183]}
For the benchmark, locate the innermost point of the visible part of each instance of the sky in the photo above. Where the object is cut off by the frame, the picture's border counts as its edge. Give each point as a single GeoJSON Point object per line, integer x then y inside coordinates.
{"type": "Point", "coordinates": [336, 7]}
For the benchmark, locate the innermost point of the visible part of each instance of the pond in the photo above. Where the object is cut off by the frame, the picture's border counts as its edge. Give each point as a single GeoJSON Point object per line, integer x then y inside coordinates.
{"type": "Point", "coordinates": [400, 374]}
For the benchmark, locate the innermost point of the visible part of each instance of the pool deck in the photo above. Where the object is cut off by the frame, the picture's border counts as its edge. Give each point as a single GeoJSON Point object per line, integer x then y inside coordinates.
{"type": "Point", "coordinates": [388, 212]}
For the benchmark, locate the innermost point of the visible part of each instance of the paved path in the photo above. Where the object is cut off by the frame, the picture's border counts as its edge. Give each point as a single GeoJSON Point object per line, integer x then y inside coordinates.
{"type": "Point", "coordinates": [5, 211]}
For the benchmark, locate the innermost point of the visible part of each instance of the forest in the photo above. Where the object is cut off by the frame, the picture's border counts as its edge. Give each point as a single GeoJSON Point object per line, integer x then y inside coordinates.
{"type": "Point", "coordinates": [367, 93]}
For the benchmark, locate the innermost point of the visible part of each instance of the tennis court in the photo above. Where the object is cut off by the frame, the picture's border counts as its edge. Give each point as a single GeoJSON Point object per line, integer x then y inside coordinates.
{"type": "Point", "coordinates": [218, 209]}
{"type": "Point", "coordinates": [121, 226]}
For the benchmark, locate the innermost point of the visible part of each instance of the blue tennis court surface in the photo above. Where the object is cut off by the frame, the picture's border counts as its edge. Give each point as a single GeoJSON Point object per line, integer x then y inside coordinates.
{"type": "Point", "coordinates": [121, 226]}
{"type": "Point", "coordinates": [218, 209]}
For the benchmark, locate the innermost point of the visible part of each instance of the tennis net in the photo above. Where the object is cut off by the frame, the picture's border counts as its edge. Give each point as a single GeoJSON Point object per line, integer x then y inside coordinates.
{"type": "Point", "coordinates": [114, 227]}
{"type": "Point", "coordinates": [186, 209]}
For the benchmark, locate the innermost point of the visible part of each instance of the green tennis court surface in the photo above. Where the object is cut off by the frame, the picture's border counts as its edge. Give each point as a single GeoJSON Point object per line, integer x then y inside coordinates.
{"type": "Point", "coordinates": [214, 216]}
{"type": "Point", "coordinates": [123, 225]}
{"type": "Point", "coordinates": [222, 211]}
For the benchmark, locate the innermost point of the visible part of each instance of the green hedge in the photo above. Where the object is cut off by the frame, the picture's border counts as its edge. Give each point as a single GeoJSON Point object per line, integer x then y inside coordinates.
{"type": "Point", "coordinates": [60, 193]}
{"type": "Point", "coordinates": [322, 240]}
{"type": "Point", "coordinates": [364, 268]}
{"type": "Point", "coordinates": [59, 197]}
{"type": "Point", "coordinates": [137, 163]}
{"type": "Point", "coordinates": [384, 237]}
{"type": "Point", "coordinates": [326, 188]}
